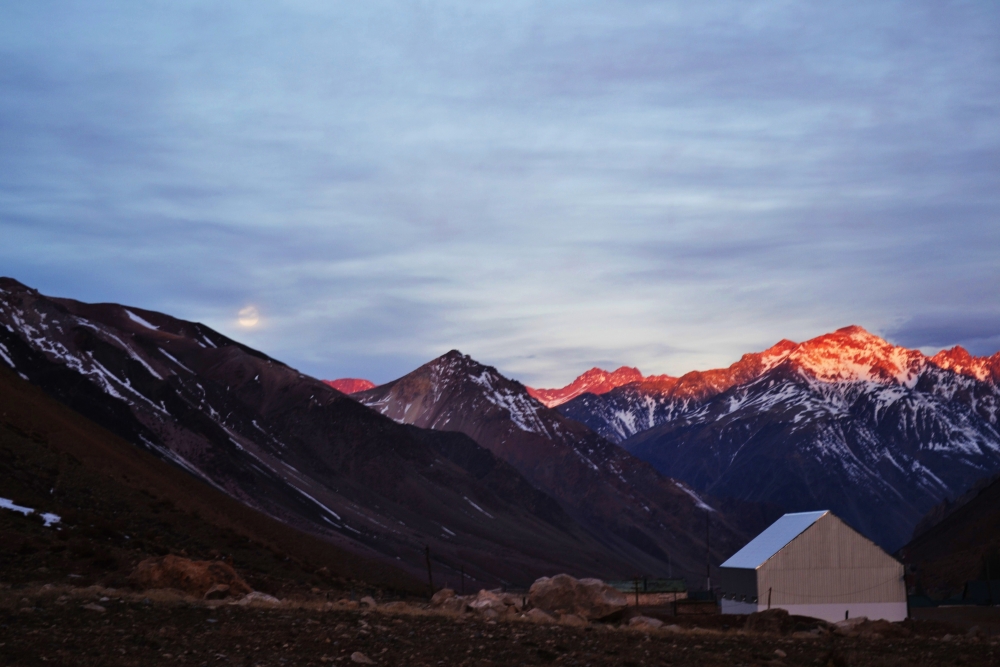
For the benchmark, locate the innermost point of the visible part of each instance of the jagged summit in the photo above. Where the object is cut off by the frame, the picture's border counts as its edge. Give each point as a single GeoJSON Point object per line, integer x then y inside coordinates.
{"type": "Point", "coordinates": [853, 354]}
{"type": "Point", "coordinates": [289, 445]}
{"type": "Point", "coordinates": [959, 360]}
{"type": "Point", "coordinates": [350, 385]}
{"type": "Point", "coordinates": [845, 420]}
{"type": "Point", "coordinates": [594, 381]}
{"type": "Point", "coordinates": [652, 520]}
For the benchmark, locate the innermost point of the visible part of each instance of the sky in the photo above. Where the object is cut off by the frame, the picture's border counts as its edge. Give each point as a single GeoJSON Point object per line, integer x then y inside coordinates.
{"type": "Point", "coordinates": [358, 187]}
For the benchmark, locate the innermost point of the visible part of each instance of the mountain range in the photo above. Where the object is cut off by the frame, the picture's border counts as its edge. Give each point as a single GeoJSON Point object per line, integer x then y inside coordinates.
{"type": "Point", "coordinates": [652, 521]}
{"type": "Point", "coordinates": [613, 475]}
{"type": "Point", "coordinates": [292, 447]}
{"type": "Point", "coordinates": [846, 421]}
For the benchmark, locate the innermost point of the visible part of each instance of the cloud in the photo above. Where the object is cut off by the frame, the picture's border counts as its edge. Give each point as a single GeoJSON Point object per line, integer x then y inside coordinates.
{"type": "Point", "coordinates": [546, 186]}
{"type": "Point", "coordinates": [977, 332]}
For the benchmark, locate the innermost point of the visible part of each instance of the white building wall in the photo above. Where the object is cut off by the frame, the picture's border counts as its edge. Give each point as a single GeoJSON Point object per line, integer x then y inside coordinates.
{"type": "Point", "coordinates": [873, 611]}
{"type": "Point", "coordinates": [889, 611]}
{"type": "Point", "coordinates": [739, 607]}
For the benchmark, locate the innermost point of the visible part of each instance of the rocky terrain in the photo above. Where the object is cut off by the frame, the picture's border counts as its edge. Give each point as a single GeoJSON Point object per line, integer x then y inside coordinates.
{"type": "Point", "coordinates": [56, 624]}
{"type": "Point", "coordinates": [595, 381]}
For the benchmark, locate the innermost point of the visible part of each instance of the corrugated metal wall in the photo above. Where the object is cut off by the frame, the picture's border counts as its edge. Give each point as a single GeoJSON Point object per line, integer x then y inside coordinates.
{"type": "Point", "coordinates": [830, 562]}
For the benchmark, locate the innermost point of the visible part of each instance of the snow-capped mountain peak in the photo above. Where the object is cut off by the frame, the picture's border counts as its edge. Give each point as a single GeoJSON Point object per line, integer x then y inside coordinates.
{"type": "Point", "coordinates": [959, 360]}
{"type": "Point", "coordinates": [350, 385]}
{"type": "Point", "coordinates": [852, 354]}
{"type": "Point", "coordinates": [594, 381]}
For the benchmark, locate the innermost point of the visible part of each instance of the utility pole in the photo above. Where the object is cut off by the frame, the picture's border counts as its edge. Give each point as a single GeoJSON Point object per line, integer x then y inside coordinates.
{"type": "Point", "coordinates": [430, 577]}
{"type": "Point", "coordinates": [708, 551]}
{"type": "Point", "coordinates": [989, 582]}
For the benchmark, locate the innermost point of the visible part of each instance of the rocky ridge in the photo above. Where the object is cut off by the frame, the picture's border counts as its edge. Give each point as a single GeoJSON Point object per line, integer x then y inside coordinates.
{"type": "Point", "coordinates": [654, 522]}
{"type": "Point", "coordinates": [290, 446]}
{"type": "Point", "coordinates": [799, 423]}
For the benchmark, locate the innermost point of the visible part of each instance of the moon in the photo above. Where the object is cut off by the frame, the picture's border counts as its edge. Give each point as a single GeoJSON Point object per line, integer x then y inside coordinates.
{"type": "Point", "coordinates": [248, 317]}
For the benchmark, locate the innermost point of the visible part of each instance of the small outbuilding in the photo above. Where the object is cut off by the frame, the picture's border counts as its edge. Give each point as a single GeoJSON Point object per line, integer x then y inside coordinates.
{"type": "Point", "coordinates": [814, 564]}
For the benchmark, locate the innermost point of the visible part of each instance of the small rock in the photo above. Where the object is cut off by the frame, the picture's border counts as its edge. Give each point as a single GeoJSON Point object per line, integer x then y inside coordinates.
{"type": "Point", "coordinates": [573, 621]}
{"type": "Point", "coordinates": [258, 599]}
{"type": "Point", "coordinates": [455, 605]}
{"type": "Point", "coordinates": [947, 638]}
{"type": "Point", "coordinates": [644, 622]}
{"type": "Point", "coordinates": [93, 607]}
{"type": "Point", "coordinates": [368, 601]}
{"type": "Point", "coordinates": [441, 597]}
{"type": "Point", "coordinates": [398, 605]}
{"type": "Point", "coordinates": [217, 592]}
{"type": "Point", "coordinates": [360, 657]}
{"type": "Point", "coordinates": [781, 654]}
{"type": "Point", "coordinates": [539, 616]}
{"type": "Point", "coordinates": [488, 600]}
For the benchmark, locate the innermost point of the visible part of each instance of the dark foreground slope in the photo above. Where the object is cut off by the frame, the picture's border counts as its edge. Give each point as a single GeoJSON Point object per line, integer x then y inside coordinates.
{"type": "Point", "coordinates": [655, 523]}
{"type": "Point", "coordinates": [289, 445]}
{"type": "Point", "coordinates": [119, 504]}
{"type": "Point", "coordinates": [56, 630]}
{"type": "Point", "coordinates": [958, 547]}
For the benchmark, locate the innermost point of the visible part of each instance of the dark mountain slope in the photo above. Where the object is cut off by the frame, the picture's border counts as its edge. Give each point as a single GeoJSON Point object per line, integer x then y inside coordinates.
{"type": "Point", "coordinates": [119, 504]}
{"type": "Point", "coordinates": [639, 406]}
{"type": "Point", "coordinates": [646, 517]}
{"type": "Point", "coordinates": [289, 445]}
{"type": "Point", "coordinates": [956, 548]}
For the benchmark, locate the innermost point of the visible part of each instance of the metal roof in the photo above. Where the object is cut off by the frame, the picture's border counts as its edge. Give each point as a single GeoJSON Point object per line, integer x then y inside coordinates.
{"type": "Point", "coordinates": [772, 540]}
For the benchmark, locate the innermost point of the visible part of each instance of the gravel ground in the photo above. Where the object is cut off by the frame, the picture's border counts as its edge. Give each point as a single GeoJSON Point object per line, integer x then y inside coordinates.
{"type": "Point", "coordinates": [62, 626]}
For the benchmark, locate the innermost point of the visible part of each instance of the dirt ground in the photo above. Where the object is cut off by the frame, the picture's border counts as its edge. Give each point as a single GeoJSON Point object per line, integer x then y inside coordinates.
{"type": "Point", "coordinates": [58, 625]}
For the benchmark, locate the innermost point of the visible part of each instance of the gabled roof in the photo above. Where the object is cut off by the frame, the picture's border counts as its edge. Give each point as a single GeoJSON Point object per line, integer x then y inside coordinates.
{"type": "Point", "coordinates": [760, 549]}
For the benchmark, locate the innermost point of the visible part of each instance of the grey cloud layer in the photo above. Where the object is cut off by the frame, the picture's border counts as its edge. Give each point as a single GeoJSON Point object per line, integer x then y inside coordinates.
{"type": "Point", "coordinates": [543, 185]}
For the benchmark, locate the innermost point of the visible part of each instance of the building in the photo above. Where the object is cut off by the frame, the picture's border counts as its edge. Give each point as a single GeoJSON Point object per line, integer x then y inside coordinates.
{"type": "Point", "coordinates": [814, 564]}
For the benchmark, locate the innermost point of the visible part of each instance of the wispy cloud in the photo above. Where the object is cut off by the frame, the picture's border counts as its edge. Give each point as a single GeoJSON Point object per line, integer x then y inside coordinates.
{"type": "Point", "coordinates": [544, 185]}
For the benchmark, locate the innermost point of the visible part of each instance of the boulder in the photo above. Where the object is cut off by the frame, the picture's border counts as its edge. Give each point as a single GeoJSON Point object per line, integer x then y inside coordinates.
{"type": "Point", "coordinates": [539, 616]}
{"type": "Point", "coordinates": [195, 577]}
{"type": "Point", "coordinates": [573, 621]}
{"type": "Point", "coordinates": [454, 605]}
{"type": "Point", "coordinates": [441, 597]}
{"type": "Point", "coordinates": [775, 621]}
{"type": "Point", "coordinates": [488, 600]}
{"type": "Point", "coordinates": [590, 599]}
